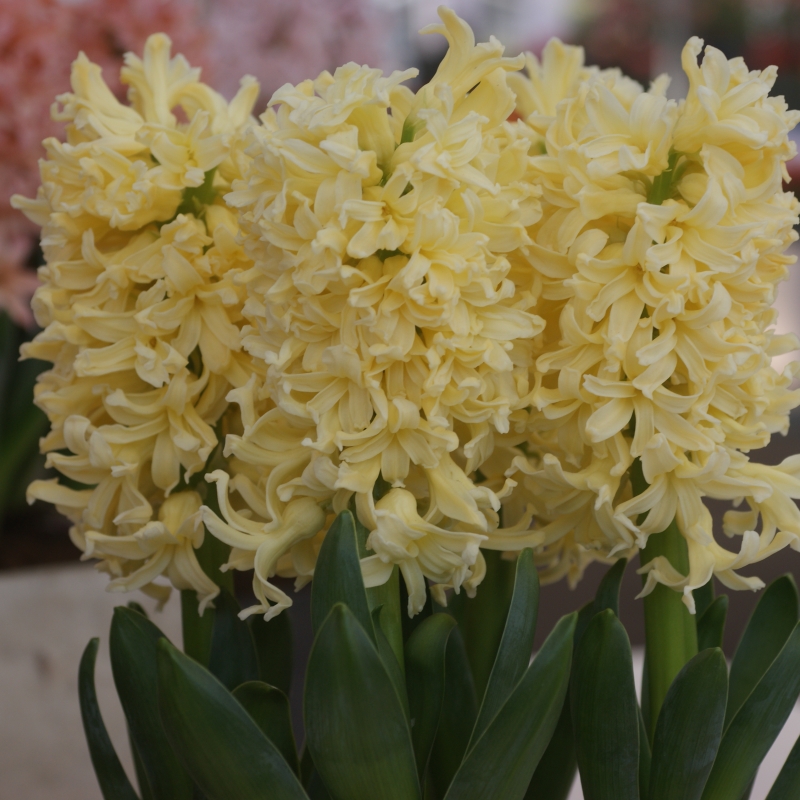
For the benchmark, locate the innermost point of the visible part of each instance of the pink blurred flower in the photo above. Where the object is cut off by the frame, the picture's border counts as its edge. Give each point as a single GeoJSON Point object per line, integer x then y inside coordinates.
{"type": "Point", "coordinates": [280, 42]}
{"type": "Point", "coordinates": [17, 284]}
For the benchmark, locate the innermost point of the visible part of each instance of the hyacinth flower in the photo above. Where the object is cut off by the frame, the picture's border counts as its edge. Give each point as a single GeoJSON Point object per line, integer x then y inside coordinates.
{"type": "Point", "coordinates": [661, 245]}
{"type": "Point", "coordinates": [395, 331]}
{"type": "Point", "coordinates": [395, 340]}
{"type": "Point", "coordinates": [139, 311]}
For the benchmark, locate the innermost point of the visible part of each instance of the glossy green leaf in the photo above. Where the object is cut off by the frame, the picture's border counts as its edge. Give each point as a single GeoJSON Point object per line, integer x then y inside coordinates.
{"type": "Point", "coordinates": [390, 621]}
{"type": "Point", "coordinates": [134, 606]}
{"type": "Point", "coordinates": [218, 742]}
{"type": "Point", "coordinates": [196, 629]}
{"type": "Point", "coordinates": [355, 725]}
{"type": "Point", "coordinates": [389, 659]}
{"type": "Point", "coordinates": [750, 734]}
{"type": "Point", "coordinates": [233, 660]}
{"type": "Point", "coordinates": [516, 646]}
{"type": "Point", "coordinates": [315, 788]}
{"type": "Point", "coordinates": [459, 711]}
{"type": "Point", "coordinates": [787, 784]}
{"type": "Point", "coordinates": [337, 576]}
{"type": "Point", "coordinates": [555, 772]}
{"type": "Point", "coordinates": [585, 616]}
{"type": "Point", "coordinates": [273, 642]}
{"type": "Point", "coordinates": [689, 729]}
{"type": "Point", "coordinates": [114, 783]}
{"type": "Point", "coordinates": [425, 679]}
{"type": "Point", "coordinates": [500, 764]}
{"type": "Point", "coordinates": [703, 598]}
{"type": "Point", "coordinates": [607, 595]}
{"type": "Point", "coordinates": [134, 645]}
{"type": "Point", "coordinates": [769, 627]}
{"type": "Point", "coordinates": [269, 708]}
{"type": "Point", "coordinates": [484, 617]}
{"type": "Point", "coordinates": [645, 760]}
{"type": "Point", "coordinates": [141, 775]}
{"type": "Point", "coordinates": [711, 626]}
{"type": "Point", "coordinates": [605, 714]}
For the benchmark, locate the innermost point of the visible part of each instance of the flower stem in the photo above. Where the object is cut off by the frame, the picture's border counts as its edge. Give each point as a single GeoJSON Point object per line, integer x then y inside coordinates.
{"type": "Point", "coordinates": [670, 630]}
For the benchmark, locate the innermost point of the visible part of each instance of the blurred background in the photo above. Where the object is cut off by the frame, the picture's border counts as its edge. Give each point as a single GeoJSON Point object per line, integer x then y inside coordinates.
{"type": "Point", "coordinates": [51, 603]}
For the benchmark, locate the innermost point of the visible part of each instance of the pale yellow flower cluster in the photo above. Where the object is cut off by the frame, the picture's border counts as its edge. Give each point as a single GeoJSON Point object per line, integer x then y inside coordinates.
{"type": "Point", "coordinates": [139, 310]}
{"type": "Point", "coordinates": [662, 241]}
{"type": "Point", "coordinates": [450, 322]}
{"type": "Point", "coordinates": [385, 228]}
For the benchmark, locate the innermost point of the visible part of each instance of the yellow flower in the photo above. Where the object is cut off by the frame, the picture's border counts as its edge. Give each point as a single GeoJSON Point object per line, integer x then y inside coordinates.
{"type": "Point", "coordinates": [661, 244]}
{"type": "Point", "coordinates": [384, 304]}
{"type": "Point", "coordinates": [140, 311]}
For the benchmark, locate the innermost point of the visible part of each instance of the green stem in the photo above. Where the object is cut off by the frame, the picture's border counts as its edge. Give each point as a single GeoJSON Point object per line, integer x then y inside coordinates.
{"type": "Point", "coordinates": [197, 630]}
{"type": "Point", "coordinates": [670, 630]}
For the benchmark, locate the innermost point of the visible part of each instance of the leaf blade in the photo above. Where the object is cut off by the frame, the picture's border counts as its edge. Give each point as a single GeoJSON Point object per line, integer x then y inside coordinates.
{"type": "Point", "coordinates": [337, 576]}
{"type": "Point", "coordinates": [689, 729]}
{"type": "Point", "coordinates": [750, 734]}
{"type": "Point", "coordinates": [269, 709]}
{"type": "Point", "coordinates": [458, 715]}
{"type": "Point", "coordinates": [711, 625]}
{"type": "Point", "coordinates": [787, 784]}
{"type": "Point", "coordinates": [769, 627]}
{"type": "Point", "coordinates": [219, 744]}
{"type": "Point", "coordinates": [605, 712]}
{"type": "Point", "coordinates": [233, 659]}
{"type": "Point", "coordinates": [114, 783]}
{"type": "Point", "coordinates": [355, 725]}
{"type": "Point", "coordinates": [425, 679]}
{"type": "Point", "coordinates": [516, 644]}
{"type": "Point", "coordinates": [500, 764]}
{"type": "Point", "coordinates": [134, 643]}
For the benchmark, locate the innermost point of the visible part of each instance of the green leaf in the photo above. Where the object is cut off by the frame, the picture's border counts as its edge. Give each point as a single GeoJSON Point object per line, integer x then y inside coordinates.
{"type": "Point", "coordinates": [355, 725]}
{"type": "Point", "coordinates": [114, 783]}
{"type": "Point", "coordinates": [196, 630]}
{"type": "Point", "coordinates": [500, 764]}
{"type": "Point", "coordinates": [750, 734]}
{"type": "Point", "coordinates": [787, 784]}
{"type": "Point", "coordinates": [516, 646]}
{"type": "Point", "coordinates": [273, 642]}
{"type": "Point", "coordinates": [585, 616]}
{"type": "Point", "coordinates": [555, 772]}
{"type": "Point", "coordinates": [689, 728]}
{"type": "Point", "coordinates": [645, 759]}
{"type": "Point", "coordinates": [389, 659]}
{"type": "Point", "coordinates": [269, 708]}
{"type": "Point", "coordinates": [607, 595]}
{"type": "Point", "coordinates": [766, 633]}
{"type": "Point", "coordinates": [459, 711]}
{"type": "Point", "coordinates": [605, 714]}
{"type": "Point", "coordinates": [703, 598]}
{"type": "Point", "coordinates": [711, 625]}
{"type": "Point", "coordinates": [134, 606]}
{"type": "Point", "coordinates": [484, 617]}
{"type": "Point", "coordinates": [337, 576]}
{"type": "Point", "coordinates": [216, 739]}
{"type": "Point", "coordinates": [425, 679]}
{"type": "Point", "coordinates": [233, 660]}
{"type": "Point", "coordinates": [134, 645]}
{"type": "Point", "coordinates": [141, 775]}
